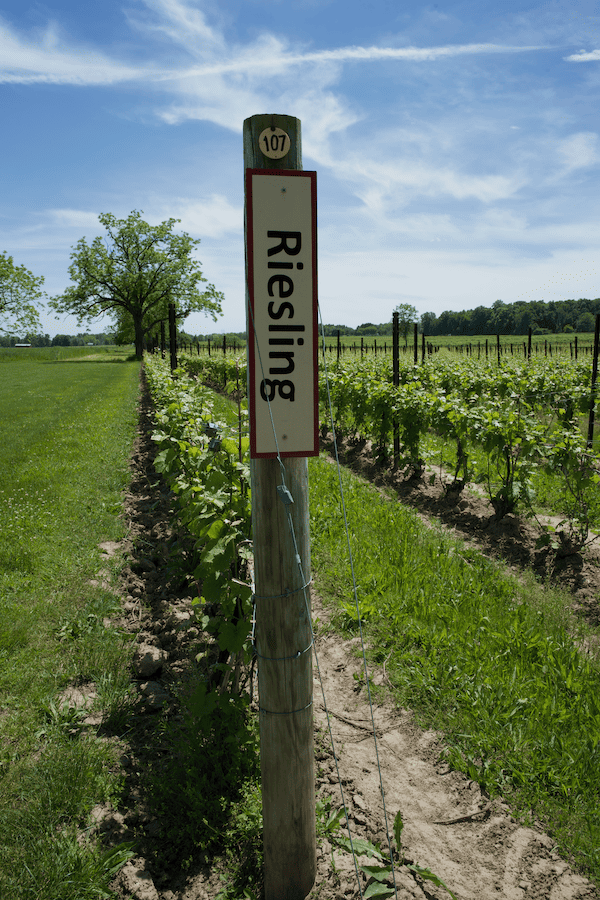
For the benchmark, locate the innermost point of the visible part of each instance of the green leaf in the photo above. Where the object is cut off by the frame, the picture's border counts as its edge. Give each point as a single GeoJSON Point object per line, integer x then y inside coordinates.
{"type": "Point", "coordinates": [213, 586]}
{"type": "Point", "coordinates": [333, 822]}
{"type": "Point", "coordinates": [398, 827]}
{"type": "Point", "coordinates": [379, 873]}
{"type": "Point", "coordinates": [361, 847]}
{"type": "Point", "coordinates": [378, 890]}
{"type": "Point", "coordinates": [428, 875]}
{"type": "Point", "coordinates": [233, 637]}
{"type": "Point", "coordinates": [216, 530]}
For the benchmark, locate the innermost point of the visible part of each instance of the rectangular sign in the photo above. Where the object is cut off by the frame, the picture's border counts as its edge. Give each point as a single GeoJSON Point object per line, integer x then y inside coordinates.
{"type": "Point", "coordinates": [281, 258]}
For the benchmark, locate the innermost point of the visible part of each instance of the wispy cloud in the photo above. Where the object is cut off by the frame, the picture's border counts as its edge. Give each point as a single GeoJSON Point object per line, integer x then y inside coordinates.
{"type": "Point", "coordinates": [212, 217]}
{"type": "Point", "coordinates": [280, 58]}
{"type": "Point", "coordinates": [47, 56]}
{"type": "Point", "coordinates": [583, 56]}
{"type": "Point", "coordinates": [75, 218]}
{"type": "Point", "coordinates": [44, 58]}
{"type": "Point", "coordinates": [580, 150]}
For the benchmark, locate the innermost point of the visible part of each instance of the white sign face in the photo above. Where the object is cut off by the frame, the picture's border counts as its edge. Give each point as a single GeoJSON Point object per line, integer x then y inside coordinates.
{"type": "Point", "coordinates": [274, 143]}
{"type": "Point", "coordinates": [281, 254]}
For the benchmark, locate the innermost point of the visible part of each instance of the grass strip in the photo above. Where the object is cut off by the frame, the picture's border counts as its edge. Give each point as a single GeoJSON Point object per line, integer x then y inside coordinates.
{"type": "Point", "coordinates": [68, 431]}
{"type": "Point", "coordinates": [474, 652]}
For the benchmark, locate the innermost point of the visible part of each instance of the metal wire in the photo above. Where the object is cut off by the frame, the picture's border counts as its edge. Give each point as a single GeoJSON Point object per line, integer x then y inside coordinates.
{"type": "Point", "coordinates": [307, 604]}
{"type": "Point", "coordinates": [356, 603]}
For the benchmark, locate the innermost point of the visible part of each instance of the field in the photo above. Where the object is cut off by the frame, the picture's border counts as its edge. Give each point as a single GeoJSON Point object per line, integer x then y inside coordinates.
{"type": "Point", "coordinates": [134, 731]}
{"type": "Point", "coordinates": [68, 423]}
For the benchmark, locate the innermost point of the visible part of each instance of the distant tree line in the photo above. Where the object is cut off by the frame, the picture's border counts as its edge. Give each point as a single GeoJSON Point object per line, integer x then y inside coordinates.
{"type": "Point", "coordinates": [59, 340]}
{"type": "Point", "coordinates": [502, 318]}
{"type": "Point", "coordinates": [553, 317]}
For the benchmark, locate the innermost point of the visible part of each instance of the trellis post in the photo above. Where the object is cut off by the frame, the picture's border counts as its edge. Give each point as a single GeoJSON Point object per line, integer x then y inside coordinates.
{"type": "Point", "coordinates": [283, 627]}
{"type": "Point", "coordinates": [172, 336]}
{"type": "Point", "coordinates": [590, 439]}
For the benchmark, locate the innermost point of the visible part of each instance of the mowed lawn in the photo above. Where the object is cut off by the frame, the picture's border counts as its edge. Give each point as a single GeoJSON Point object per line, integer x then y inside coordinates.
{"type": "Point", "coordinates": [67, 427]}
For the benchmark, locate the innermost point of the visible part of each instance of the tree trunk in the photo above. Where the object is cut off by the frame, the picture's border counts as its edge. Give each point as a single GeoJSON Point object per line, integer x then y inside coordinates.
{"type": "Point", "coordinates": [139, 336]}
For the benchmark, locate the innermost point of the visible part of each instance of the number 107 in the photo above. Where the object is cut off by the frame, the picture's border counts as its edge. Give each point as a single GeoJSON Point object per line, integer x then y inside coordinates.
{"type": "Point", "coordinates": [276, 143]}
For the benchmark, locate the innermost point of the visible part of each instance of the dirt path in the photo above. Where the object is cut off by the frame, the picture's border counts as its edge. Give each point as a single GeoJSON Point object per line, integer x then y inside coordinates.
{"type": "Point", "coordinates": [473, 845]}
{"type": "Point", "coordinates": [478, 850]}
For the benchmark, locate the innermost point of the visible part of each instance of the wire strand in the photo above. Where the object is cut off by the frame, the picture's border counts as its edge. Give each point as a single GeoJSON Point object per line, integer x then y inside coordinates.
{"type": "Point", "coordinates": [355, 592]}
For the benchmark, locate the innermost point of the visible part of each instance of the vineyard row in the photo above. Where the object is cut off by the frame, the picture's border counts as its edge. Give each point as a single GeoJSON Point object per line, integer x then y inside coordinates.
{"type": "Point", "coordinates": [524, 418]}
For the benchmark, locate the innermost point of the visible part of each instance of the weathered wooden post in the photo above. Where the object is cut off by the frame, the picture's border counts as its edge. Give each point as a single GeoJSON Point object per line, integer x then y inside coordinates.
{"type": "Point", "coordinates": [283, 403]}
{"type": "Point", "coordinates": [590, 439]}
{"type": "Point", "coordinates": [172, 337]}
{"type": "Point", "coordinates": [396, 379]}
{"type": "Point", "coordinates": [415, 344]}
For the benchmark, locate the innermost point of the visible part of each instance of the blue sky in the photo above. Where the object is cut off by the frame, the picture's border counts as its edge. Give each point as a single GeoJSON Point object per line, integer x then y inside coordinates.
{"type": "Point", "coordinates": [456, 143]}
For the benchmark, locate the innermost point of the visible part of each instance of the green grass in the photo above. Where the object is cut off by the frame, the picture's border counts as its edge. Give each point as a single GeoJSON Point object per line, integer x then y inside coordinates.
{"type": "Point", "coordinates": [492, 663]}
{"type": "Point", "coordinates": [68, 426]}
{"type": "Point", "coordinates": [106, 353]}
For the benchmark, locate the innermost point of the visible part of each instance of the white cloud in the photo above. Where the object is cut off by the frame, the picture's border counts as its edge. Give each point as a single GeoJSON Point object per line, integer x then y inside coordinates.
{"type": "Point", "coordinates": [582, 56]}
{"type": "Point", "coordinates": [42, 59]}
{"type": "Point", "coordinates": [580, 150]}
{"type": "Point", "coordinates": [213, 217]}
{"type": "Point", "coordinates": [75, 218]}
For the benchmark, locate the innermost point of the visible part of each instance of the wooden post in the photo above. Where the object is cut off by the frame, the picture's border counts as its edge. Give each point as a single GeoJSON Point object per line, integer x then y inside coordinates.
{"type": "Point", "coordinates": [590, 439]}
{"type": "Point", "coordinates": [529, 344]}
{"type": "Point", "coordinates": [416, 344]}
{"type": "Point", "coordinates": [172, 337]}
{"type": "Point", "coordinates": [283, 628]}
{"type": "Point", "coordinates": [396, 378]}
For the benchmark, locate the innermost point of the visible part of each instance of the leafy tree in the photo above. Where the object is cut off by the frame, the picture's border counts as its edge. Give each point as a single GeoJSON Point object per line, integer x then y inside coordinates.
{"type": "Point", "coordinates": [407, 316]}
{"type": "Point", "coordinates": [585, 322]}
{"type": "Point", "coordinates": [134, 274]}
{"type": "Point", "coordinates": [19, 291]}
{"type": "Point", "coordinates": [428, 322]}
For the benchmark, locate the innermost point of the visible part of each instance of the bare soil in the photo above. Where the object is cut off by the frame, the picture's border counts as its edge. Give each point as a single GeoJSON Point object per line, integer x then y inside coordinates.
{"type": "Point", "coordinates": [473, 844]}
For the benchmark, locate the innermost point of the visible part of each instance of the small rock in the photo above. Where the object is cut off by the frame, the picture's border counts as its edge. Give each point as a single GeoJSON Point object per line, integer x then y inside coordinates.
{"type": "Point", "coordinates": [155, 694]}
{"type": "Point", "coordinates": [138, 882]}
{"type": "Point", "coordinates": [149, 660]}
{"type": "Point", "coordinates": [359, 802]}
{"type": "Point", "coordinates": [109, 548]}
{"type": "Point", "coordinates": [112, 822]}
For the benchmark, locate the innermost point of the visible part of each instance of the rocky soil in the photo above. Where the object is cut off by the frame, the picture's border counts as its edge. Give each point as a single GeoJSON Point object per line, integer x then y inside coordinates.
{"type": "Point", "coordinates": [474, 845]}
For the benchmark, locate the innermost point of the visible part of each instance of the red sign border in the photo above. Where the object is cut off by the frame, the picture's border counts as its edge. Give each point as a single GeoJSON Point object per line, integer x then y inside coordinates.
{"type": "Point", "coordinates": [301, 173]}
